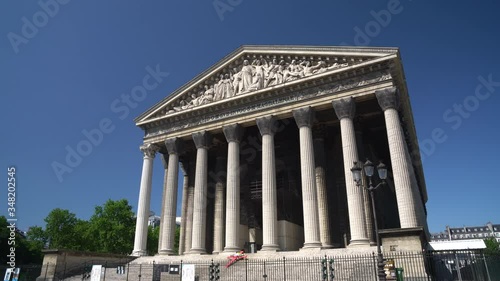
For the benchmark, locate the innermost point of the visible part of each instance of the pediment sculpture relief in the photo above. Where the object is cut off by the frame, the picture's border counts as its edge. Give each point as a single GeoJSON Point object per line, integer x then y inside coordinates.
{"type": "Point", "coordinates": [249, 77]}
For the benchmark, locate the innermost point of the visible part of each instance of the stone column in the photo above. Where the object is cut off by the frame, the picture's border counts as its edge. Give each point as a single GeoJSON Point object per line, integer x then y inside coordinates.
{"type": "Point", "coordinates": [202, 141]}
{"type": "Point", "coordinates": [320, 170]}
{"type": "Point", "coordinates": [170, 198]}
{"type": "Point", "coordinates": [304, 119]}
{"type": "Point", "coordinates": [185, 186]}
{"type": "Point", "coordinates": [408, 213]}
{"type": "Point", "coordinates": [190, 208]}
{"type": "Point", "coordinates": [141, 226]}
{"type": "Point", "coordinates": [366, 195]}
{"type": "Point", "coordinates": [219, 206]}
{"type": "Point", "coordinates": [267, 128]}
{"type": "Point", "coordinates": [164, 160]}
{"type": "Point", "coordinates": [233, 135]}
{"type": "Point", "coordinates": [345, 110]}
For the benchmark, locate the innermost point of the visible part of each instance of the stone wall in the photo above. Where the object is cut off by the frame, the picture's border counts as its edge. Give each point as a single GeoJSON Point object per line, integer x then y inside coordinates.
{"type": "Point", "coordinates": [290, 236]}
{"type": "Point", "coordinates": [60, 262]}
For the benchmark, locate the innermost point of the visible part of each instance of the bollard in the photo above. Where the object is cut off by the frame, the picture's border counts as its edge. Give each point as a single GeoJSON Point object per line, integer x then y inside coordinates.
{"type": "Point", "coordinates": [399, 274]}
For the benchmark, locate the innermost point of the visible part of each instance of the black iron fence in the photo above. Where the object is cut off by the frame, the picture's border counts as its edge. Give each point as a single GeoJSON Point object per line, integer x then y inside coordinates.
{"type": "Point", "coordinates": [429, 266]}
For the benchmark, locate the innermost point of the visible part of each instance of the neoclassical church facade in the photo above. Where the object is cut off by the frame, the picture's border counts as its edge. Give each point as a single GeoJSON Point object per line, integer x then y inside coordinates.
{"type": "Point", "coordinates": [264, 142]}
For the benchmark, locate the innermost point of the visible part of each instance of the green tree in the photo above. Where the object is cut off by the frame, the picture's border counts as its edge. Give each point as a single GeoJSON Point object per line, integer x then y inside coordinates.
{"type": "Point", "coordinates": [492, 246]}
{"type": "Point", "coordinates": [25, 253]}
{"type": "Point", "coordinates": [112, 228]}
{"type": "Point", "coordinates": [153, 238]}
{"type": "Point", "coordinates": [60, 230]}
{"type": "Point", "coordinates": [37, 238]}
{"type": "Point", "coordinates": [4, 237]}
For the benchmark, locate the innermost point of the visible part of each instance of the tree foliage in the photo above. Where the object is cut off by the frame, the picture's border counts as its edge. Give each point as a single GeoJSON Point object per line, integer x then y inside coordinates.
{"type": "Point", "coordinates": [153, 238]}
{"type": "Point", "coordinates": [492, 246]}
{"type": "Point", "coordinates": [25, 251]}
{"type": "Point", "coordinates": [110, 229]}
{"type": "Point", "coordinates": [61, 226]}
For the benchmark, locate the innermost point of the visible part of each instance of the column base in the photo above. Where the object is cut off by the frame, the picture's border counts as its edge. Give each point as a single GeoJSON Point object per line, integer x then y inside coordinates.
{"type": "Point", "coordinates": [139, 253]}
{"type": "Point", "coordinates": [311, 245]}
{"type": "Point", "coordinates": [166, 253]}
{"type": "Point", "coordinates": [327, 246]}
{"type": "Point", "coordinates": [232, 249]}
{"type": "Point", "coordinates": [359, 243]}
{"type": "Point", "coordinates": [197, 252]}
{"type": "Point", "coordinates": [216, 252]}
{"type": "Point", "coordinates": [270, 248]}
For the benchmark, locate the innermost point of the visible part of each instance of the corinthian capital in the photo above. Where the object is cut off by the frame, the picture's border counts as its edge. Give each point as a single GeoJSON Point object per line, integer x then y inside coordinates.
{"type": "Point", "coordinates": [267, 125]}
{"type": "Point", "coordinates": [174, 145]}
{"type": "Point", "coordinates": [304, 116]}
{"type": "Point", "coordinates": [344, 108]}
{"type": "Point", "coordinates": [233, 132]}
{"type": "Point", "coordinates": [388, 98]}
{"type": "Point", "coordinates": [149, 150]}
{"type": "Point", "coordinates": [202, 139]}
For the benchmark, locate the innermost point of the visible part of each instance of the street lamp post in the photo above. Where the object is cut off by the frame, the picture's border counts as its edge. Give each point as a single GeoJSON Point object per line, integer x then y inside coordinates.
{"type": "Point", "coordinates": [368, 168]}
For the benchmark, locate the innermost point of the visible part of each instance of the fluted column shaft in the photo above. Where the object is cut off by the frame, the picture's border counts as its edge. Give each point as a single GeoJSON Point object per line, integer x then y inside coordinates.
{"type": "Point", "coordinates": [267, 128]}
{"type": "Point", "coordinates": [218, 245]}
{"type": "Point", "coordinates": [182, 238]}
{"type": "Point", "coordinates": [345, 109]}
{"type": "Point", "coordinates": [189, 216]}
{"type": "Point", "coordinates": [201, 141]}
{"type": "Point", "coordinates": [168, 224]}
{"type": "Point", "coordinates": [408, 213]}
{"type": "Point", "coordinates": [164, 160]}
{"type": "Point", "coordinates": [233, 136]}
{"type": "Point", "coordinates": [141, 226]}
{"type": "Point", "coordinates": [366, 195]}
{"type": "Point", "coordinates": [304, 119]}
{"type": "Point", "coordinates": [324, 221]}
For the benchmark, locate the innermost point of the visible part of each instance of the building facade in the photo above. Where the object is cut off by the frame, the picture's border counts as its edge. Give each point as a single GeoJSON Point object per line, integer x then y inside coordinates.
{"type": "Point", "coordinates": [489, 230]}
{"type": "Point", "coordinates": [265, 140]}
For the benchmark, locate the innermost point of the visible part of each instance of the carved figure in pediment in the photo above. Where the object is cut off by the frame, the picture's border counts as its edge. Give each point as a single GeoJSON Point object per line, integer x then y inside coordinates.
{"type": "Point", "coordinates": [246, 76]}
{"type": "Point", "coordinates": [236, 81]}
{"type": "Point", "coordinates": [195, 100]}
{"type": "Point", "coordinates": [227, 87]}
{"type": "Point", "coordinates": [181, 105]}
{"type": "Point", "coordinates": [319, 68]}
{"type": "Point", "coordinates": [270, 73]}
{"type": "Point", "coordinates": [337, 65]}
{"type": "Point", "coordinates": [258, 75]}
{"type": "Point", "coordinates": [306, 68]}
{"type": "Point", "coordinates": [209, 94]}
{"type": "Point", "coordinates": [280, 73]}
{"type": "Point", "coordinates": [293, 71]}
{"type": "Point", "coordinates": [219, 88]}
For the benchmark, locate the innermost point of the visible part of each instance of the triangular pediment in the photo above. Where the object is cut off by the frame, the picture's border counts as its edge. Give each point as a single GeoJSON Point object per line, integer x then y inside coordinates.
{"type": "Point", "coordinates": [257, 68]}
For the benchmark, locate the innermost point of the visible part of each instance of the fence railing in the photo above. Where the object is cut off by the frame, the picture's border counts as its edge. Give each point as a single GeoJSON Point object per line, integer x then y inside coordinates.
{"type": "Point", "coordinates": [429, 266]}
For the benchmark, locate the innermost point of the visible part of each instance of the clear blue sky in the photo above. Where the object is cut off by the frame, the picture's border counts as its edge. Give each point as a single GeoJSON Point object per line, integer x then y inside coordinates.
{"type": "Point", "coordinates": [61, 70]}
